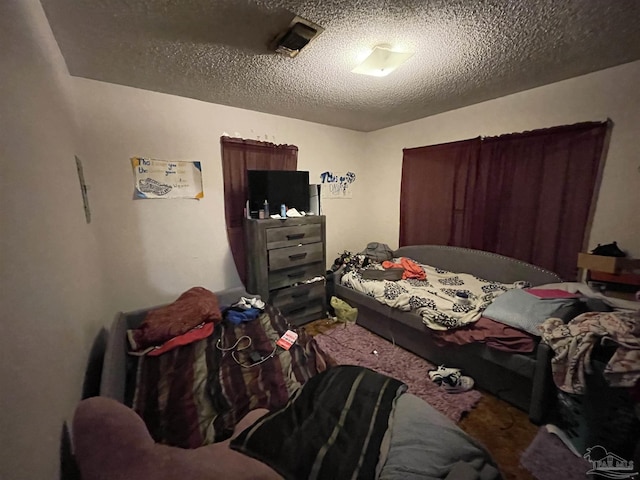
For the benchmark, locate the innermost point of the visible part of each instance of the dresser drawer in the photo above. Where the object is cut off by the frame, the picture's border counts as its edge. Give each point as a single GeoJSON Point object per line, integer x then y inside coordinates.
{"type": "Point", "coordinates": [293, 256]}
{"type": "Point", "coordinates": [295, 235]}
{"type": "Point", "coordinates": [290, 276]}
{"type": "Point", "coordinates": [292, 297]}
{"type": "Point", "coordinates": [301, 314]}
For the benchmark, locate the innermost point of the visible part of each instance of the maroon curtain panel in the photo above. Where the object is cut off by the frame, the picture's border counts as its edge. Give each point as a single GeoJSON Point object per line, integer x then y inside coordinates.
{"type": "Point", "coordinates": [528, 195]}
{"type": "Point", "coordinates": [433, 192]}
{"type": "Point", "coordinates": [238, 156]}
{"type": "Point", "coordinates": [532, 197]}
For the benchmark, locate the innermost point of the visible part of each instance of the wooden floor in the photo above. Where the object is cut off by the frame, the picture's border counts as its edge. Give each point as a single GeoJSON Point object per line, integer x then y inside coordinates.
{"type": "Point", "coordinates": [503, 429]}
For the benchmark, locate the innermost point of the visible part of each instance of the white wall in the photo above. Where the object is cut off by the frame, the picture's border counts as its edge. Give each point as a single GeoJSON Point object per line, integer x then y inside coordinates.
{"type": "Point", "coordinates": [51, 298]}
{"type": "Point", "coordinates": [156, 249]}
{"type": "Point", "coordinates": [62, 280]}
{"type": "Point", "coordinates": [611, 93]}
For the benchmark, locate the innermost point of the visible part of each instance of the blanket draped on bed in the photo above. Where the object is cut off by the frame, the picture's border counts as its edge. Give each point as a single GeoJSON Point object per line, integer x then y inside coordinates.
{"type": "Point", "coordinates": [435, 298]}
{"type": "Point", "coordinates": [332, 428]}
{"type": "Point", "coordinates": [194, 395]}
{"type": "Point", "coordinates": [573, 343]}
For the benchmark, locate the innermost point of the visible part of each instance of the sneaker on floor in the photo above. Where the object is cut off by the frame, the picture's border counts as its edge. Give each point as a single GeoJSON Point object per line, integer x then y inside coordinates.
{"type": "Point", "coordinates": [461, 384]}
{"type": "Point", "coordinates": [439, 373]}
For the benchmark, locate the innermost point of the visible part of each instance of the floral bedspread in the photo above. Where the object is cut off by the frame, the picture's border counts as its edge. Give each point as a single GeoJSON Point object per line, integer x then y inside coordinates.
{"type": "Point", "coordinates": [435, 297]}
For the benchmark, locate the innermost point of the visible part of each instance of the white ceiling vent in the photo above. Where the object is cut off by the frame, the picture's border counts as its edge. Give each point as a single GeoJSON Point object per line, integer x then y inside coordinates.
{"type": "Point", "coordinates": [297, 36]}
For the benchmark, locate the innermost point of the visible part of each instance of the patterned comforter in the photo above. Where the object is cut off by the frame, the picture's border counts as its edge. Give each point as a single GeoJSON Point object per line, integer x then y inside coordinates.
{"type": "Point", "coordinates": [194, 395]}
{"type": "Point", "coordinates": [434, 298]}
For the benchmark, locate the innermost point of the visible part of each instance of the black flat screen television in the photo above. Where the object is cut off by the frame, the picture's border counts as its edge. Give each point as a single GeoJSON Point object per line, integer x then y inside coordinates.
{"type": "Point", "coordinates": [277, 187]}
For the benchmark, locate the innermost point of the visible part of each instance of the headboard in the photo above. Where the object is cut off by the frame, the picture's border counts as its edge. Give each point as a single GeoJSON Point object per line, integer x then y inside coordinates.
{"type": "Point", "coordinates": [490, 266]}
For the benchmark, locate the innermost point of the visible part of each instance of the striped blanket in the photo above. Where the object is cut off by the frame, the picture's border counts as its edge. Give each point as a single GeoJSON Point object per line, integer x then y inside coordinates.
{"type": "Point", "coordinates": [194, 395]}
{"type": "Point", "coordinates": [332, 428]}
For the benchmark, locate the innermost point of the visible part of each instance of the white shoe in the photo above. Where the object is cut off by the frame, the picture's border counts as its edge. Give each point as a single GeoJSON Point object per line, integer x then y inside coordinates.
{"type": "Point", "coordinates": [462, 384]}
{"type": "Point", "coordinates": [439, 373]}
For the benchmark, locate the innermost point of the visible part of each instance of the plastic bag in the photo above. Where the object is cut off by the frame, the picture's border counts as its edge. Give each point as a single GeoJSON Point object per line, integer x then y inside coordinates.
{"type": "Point", "coordinates": [344, 312]}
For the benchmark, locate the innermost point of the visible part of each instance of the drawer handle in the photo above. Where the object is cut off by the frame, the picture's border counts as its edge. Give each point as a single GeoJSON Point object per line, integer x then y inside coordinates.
{"type": "Point", "coordinates": [296, 275]}
{"type": "Point", "coordinates": [300, 295]}
{"type": "Point", "coordinates": [295, 236]}
{"type": "Point", "coordinates": [298, 256]}
{"type": "Point", "coordinates": [296, 310]}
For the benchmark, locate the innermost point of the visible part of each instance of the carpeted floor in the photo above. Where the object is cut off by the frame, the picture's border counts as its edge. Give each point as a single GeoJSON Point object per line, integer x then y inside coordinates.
{"type": "Point", "coordinates": [354, 345]}
{"type": "Point", "coordinates": [548, 459]}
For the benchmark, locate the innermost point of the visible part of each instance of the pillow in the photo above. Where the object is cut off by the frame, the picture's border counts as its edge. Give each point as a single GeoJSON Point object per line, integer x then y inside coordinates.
{"type": "Point", "coordinates": [522, 310]}
{"type": "Point", "coordinates": [194, 307]}
{"type": "Point", "coordinates": [425, 444]}
{"type": "Point", "coordinates": [551, 293]}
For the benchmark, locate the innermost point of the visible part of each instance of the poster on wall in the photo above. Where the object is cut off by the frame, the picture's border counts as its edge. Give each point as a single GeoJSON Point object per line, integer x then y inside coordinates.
{"type": "Point", "coordinates": [337, 185]}
{"type": "Point", "coordinates": [166, 179]}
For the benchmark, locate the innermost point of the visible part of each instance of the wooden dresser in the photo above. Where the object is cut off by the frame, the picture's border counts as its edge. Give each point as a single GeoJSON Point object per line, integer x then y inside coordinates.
{"type": "Point", "coordinates": [282, 256]}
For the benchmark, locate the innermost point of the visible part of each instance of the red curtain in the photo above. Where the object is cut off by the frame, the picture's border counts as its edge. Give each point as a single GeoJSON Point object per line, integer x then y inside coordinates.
{"type": "Point", "coordinates": [238, 156]}
{"type": "Point", "coordinates": [528, 195]}
{"type": "Point", "coordinates": [433, 191]}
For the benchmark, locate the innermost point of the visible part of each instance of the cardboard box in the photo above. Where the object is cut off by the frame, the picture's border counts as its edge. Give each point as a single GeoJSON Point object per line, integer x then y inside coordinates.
{"type": "Point", "coordinates": [601, 263]}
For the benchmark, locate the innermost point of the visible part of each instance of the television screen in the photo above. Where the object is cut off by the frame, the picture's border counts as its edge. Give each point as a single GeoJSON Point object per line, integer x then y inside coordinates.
{"type": "Point", "coordinates": [277, 187]}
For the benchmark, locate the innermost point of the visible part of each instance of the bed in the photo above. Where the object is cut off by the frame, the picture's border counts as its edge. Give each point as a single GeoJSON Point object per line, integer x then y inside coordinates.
{"type": "Point", "coordinates": [511, 364]}
{"type": "Point", "coordinates": [219, 407]}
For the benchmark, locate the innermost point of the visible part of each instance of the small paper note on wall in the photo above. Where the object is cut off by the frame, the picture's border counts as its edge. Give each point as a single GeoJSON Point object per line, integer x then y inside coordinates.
{"type": "Point", "coordinates": [336, 185]}
{"type": "Point", "coordinates": [166, 179]}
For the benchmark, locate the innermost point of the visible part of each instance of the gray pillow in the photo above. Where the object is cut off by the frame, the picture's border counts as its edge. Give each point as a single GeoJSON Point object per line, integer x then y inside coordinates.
{"type": "Point", "coordinates": [523, 310]}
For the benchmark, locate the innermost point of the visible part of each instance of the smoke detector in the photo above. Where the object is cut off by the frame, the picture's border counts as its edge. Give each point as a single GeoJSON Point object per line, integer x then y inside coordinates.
{"type": "Point", "coordinates": [297, 36]}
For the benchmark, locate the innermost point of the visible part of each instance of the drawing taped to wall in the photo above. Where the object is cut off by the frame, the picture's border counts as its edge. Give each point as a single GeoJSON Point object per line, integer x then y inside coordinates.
{"type": "Point", "coordinates": [336, 185]}
{"type": "Point", "coordinates": [166, 179]}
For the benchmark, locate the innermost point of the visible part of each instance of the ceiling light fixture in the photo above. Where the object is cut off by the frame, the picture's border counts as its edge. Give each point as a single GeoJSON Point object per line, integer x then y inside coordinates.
{"type": "Point", "coordinates": [382, 61]}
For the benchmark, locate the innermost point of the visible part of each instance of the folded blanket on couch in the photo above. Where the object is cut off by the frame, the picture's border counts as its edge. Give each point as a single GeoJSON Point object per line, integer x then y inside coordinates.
{"type": "Point", "coordinates": [333, 427]}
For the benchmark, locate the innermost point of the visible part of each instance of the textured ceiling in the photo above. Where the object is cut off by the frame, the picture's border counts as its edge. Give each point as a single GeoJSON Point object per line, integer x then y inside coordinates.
{"type": "Point", "coordinates": [466, 51]}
